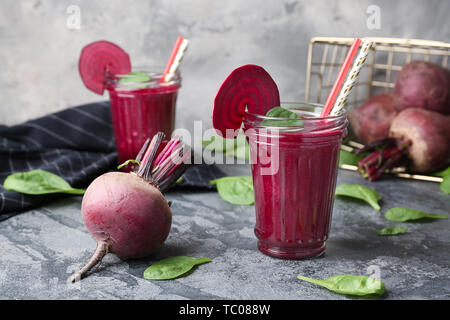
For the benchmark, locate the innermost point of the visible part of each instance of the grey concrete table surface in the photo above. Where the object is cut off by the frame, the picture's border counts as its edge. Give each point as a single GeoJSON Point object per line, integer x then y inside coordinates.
{"type": "Point", "coordinates": [41, 248]}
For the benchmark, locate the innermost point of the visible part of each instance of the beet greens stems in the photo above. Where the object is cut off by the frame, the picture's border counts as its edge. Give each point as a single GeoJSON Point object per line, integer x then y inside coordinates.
{"type": "Point", "coordinates": [161, 162]}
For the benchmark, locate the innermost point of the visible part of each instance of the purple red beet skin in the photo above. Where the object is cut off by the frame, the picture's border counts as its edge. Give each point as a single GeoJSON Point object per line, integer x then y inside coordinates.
{"type": "Point", "coordinates": [408, 127]}
{"type": "Point", "coordinates": [371, 121]}
{"type": "Point", "coordinates": [126, 213]}
{"type": "Point", "coordinates": [424, 85]}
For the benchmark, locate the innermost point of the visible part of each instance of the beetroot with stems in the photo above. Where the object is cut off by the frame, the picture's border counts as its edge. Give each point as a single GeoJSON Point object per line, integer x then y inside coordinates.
{"type": "Point", "coordinates": [422, 84]}
{"type": "Point", "coordinates": [371, 121]}
{"type": "Point", "coordinates": [419, 139]}
{"type": "Point", "coordinates": [126, 212]}
{"type": "Point", "coordinates": [428, 136]}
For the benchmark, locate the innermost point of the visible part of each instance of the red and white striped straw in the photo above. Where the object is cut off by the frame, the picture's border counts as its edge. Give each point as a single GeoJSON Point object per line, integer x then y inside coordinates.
{"type": "Point", "coordinates": [176, 56]}
{"type": "Point", "coordinates": [352, 77]}
{"type": "Point", "coordinates": [341, 77]}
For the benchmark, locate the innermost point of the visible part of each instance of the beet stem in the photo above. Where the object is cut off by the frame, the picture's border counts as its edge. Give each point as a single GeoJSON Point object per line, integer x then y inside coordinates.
{"type": "Point", "coordinates": [141, 152]}
{"type": "Point", "coordinates": [168, 164]}
{"type": "Point", "coordinates": [381, 160]}
{"type": "Point", "coordinates": [162, 164]}
{"type": "Point", "coordinates": [174, 142]}
{"type": "Point", "coordinates": [168, 181]}
{"type": "Point", "coordinates": [379, 143]}
{"type": "Point", "coordinates": [163, 154]}
{"type": "Point", "coordinates": [101, 250]}
{"type": "Point", "coordinates": [369, 160]}
{"type": "Point", "coordinates": [146, 165]}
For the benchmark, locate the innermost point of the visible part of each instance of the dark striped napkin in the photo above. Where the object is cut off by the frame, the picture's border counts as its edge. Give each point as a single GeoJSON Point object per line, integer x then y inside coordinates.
{"type": "Point", "coordinates": [78, 145]}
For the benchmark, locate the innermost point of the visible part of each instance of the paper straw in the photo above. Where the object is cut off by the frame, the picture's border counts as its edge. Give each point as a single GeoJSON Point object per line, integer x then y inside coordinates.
{"type": "Point", "coordinates": [352, 77]}
{"type": "Point", "coordinates": [341, 77]}
{"type": "Point", "coordinates": [175, 58]}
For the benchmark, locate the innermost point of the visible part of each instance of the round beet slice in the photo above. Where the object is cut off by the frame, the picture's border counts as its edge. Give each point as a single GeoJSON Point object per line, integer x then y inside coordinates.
{"type": "Point", "coordinates": [98, 58]}
{"type": "Point", "coordinates": [250, 87]}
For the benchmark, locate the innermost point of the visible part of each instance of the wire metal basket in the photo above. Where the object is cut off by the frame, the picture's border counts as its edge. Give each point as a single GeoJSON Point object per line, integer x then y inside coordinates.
{"type": "Point", "coordinates": [386, 58]}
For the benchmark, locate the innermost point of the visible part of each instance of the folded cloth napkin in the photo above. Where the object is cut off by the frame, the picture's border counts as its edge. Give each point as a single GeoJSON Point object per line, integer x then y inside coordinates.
{"type": "Point", "coordinates": [78, 145]}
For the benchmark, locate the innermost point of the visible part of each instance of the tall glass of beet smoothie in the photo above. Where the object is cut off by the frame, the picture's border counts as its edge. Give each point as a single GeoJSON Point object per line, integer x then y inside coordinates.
{"type": "Point", "coordinates": [142, 102]}
{"type": "Point", "coordinates": [294, 170]}
{"type": "Point", "coordinates": [141, 106]}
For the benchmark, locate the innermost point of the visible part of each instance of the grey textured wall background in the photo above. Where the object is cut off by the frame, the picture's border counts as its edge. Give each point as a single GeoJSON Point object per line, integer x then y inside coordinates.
{"type": "Point", "coordinates": [39, 53]}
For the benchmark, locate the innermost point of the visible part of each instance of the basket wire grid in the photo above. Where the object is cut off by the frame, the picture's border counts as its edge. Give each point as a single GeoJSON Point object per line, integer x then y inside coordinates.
{"type": "Point", "coordinates": [386, 58]}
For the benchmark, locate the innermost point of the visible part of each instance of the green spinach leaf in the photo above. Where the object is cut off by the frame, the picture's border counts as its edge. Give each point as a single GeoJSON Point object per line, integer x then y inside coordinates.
{"type": "Point", "coordinates": [291, 118]}
{"type": "Point", "coordinates": [236, 190]}
{"type": "Point", "coordinates": [237, 148]}
{"type": "Point", "coordinates": [135, 80]}
{"type": "Point", "coordinates": [350, 284]}
{"type": "Point", "coordinates": [393, 230]}
{"type": "Point", "coordinates": [173, 267]}
{"type": "Point", "coordinates": [360, 192]}
{"type": "Point", "coordinates": [38, 182]}
{"type": "Point", "coordinates": [350, 158]}
{"type": "Point", "coordinates": [445, 184]}
{"type": "Point", "coordinates": [442, 173]}
{"type": "Point", "coordinates": [399, 214]}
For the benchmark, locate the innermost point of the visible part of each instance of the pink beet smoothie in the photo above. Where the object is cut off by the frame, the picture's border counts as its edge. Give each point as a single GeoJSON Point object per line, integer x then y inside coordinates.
{"type": "Point", "coordinates": [294, 203]}
{"type": "Point", "coordinates": [139, 113]}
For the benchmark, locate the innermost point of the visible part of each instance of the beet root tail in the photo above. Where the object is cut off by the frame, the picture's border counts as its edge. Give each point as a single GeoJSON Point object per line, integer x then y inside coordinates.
{"type": "Point", "coordinates": [101, 250]}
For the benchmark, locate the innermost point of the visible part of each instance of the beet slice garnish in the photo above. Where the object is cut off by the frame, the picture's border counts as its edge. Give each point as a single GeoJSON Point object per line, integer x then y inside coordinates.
{"type": "Point", "coordinates": [250, 87]}
{"type": "Point", "coordinates": [99, 58]}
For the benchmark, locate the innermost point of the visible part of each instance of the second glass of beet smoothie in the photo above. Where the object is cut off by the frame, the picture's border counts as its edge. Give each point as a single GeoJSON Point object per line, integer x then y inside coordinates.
{"type": "Point", "coordinates": [141, 109]}
{"type": "Point", "coordinates": [294, 171]}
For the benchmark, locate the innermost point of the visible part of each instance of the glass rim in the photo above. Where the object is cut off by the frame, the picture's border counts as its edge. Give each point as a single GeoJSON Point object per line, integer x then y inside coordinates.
{"type": "Point", "coordinates": [149, 70]}
{"type": "Point", "coordinates": [309, 120]}
{"type": "Point", "coordinates": [305, 105]}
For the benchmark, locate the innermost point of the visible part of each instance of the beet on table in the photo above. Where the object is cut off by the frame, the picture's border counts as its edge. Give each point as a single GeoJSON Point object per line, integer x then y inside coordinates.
{"type": "Point", "coordinates": [41, 249]}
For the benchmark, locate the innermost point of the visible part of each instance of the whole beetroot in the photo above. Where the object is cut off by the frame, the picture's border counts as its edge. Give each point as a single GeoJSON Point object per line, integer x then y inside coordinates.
{"type": "Point", "coordinates": [371, 121]}
{"type": "Point", "coordinates": [126, 212]}
{"type": "Point", "coordinates": [419, 139]}
{"type": "Point", "coordinates": [427, 135]}
{"type": "Point", "coordinates": [424, 85]}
